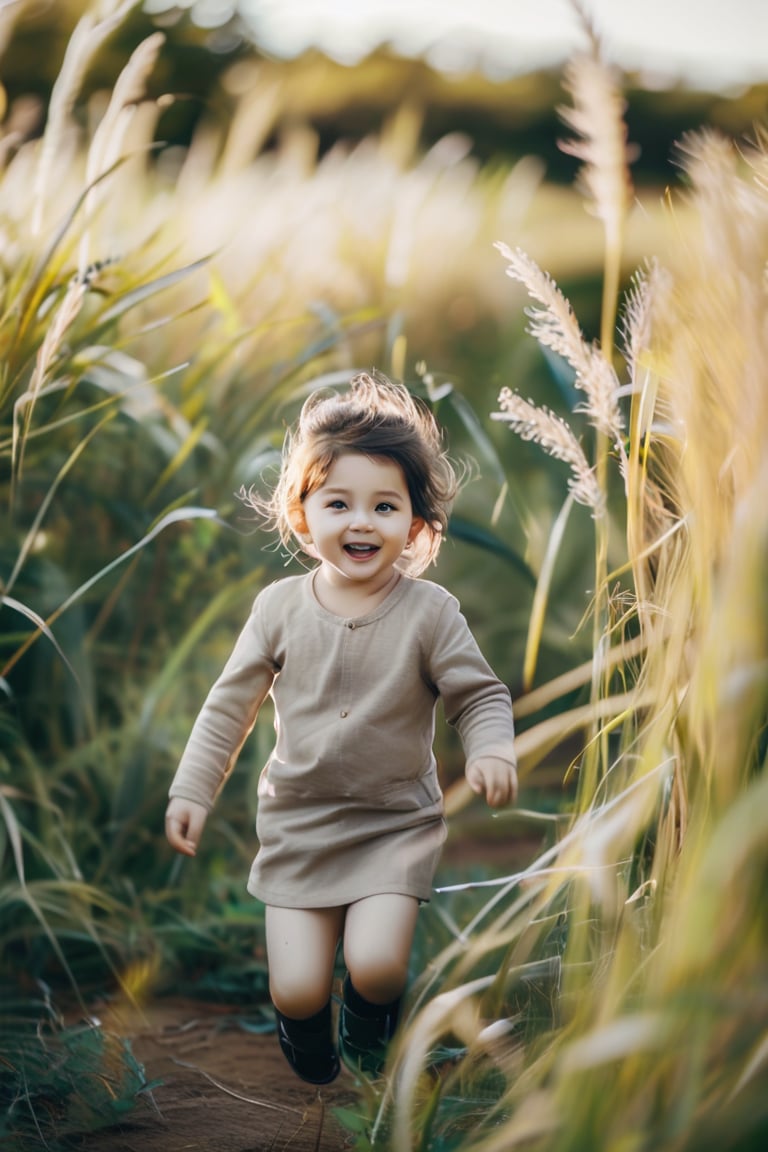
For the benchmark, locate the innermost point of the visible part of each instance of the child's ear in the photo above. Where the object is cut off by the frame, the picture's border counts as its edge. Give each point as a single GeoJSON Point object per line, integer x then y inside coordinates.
{"type": "Point", "coordinates": [416, 526]}
{"type": "Point", "coordinates": [300, 529]}
{"type": "Point", "coordinates": [298, 521]}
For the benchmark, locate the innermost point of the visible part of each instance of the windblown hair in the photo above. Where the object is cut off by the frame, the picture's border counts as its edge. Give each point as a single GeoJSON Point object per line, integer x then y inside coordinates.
{"type": "Point", "coordinates": [376, 418]}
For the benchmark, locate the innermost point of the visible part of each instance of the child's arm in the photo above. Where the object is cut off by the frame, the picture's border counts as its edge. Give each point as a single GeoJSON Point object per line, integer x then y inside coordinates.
{"type": "Point", "coordinates": [478, 704]}
{"type": "Point", "coordinates": [496, 778]}
{"type": "Point", "coordinates": [184, 823]}
{"type": "Point", "coordinates": [224, 722]}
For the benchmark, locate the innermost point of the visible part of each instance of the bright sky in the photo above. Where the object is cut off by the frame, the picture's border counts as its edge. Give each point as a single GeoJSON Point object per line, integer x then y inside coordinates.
{"type": "Point", "coordinates": [706, 42]}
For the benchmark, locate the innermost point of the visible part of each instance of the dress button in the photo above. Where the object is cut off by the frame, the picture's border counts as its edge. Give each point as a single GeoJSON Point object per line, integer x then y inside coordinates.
{"type": "Point", "coordinates": [351, 624]}
{"type": "Point", "coordinates": [343, 713]}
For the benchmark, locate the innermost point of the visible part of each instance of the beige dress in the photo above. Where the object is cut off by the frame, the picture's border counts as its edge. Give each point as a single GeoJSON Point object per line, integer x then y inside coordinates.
{"type": "Point", "coordinates": [349, 801]}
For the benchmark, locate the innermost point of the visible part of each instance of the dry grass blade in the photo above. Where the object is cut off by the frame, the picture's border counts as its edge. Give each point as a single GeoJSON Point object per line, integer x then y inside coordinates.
{"type": "Point", "coordinates": [41, 629]}
{"type": "Point", "coordinates": [23, 408]}
{"type": "Point", "coordinates": [541, 594]}
{"type": "Point", "coordinates": [555, 436]}
{"type": "Point", "coordinates": [555, 326]}
{"type": "Point", "coordinates": [129, 89]}
{"type": "Point", "coordinates": [636, 322]}
{"type": "Point", "coordinates": [449, 1012]}
{"type": "Point", "coordinates": [107, 144]}
{"type": "Point", "coordinates": [649, 504]}
{"type": "Point", "coordinates": [577, 677]}
{"type": "Point", "coordinates": [597, 118]}
{"type": "Point", "coordinates": [92, 30]}
{"type": "Point", "coordinates": [260, 1103]}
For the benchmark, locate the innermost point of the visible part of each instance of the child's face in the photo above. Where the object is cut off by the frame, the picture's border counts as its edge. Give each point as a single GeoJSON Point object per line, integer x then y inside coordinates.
{"type": "Point", "coordinates": [361, 519]}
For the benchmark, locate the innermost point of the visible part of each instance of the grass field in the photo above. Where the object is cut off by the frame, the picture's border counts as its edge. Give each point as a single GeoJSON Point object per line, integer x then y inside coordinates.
{"type": "Point", "coordinates": [163, 313]}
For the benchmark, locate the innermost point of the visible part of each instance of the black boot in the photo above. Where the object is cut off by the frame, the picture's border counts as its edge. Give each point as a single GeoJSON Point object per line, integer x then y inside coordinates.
{"type": "Point", "coordinates": [365, 1030]}
{"type": "Point", "coordinates": [307, 1046]}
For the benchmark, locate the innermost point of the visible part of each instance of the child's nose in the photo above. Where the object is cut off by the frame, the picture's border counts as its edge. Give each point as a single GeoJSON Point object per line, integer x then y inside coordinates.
{"type": "Point", "coordinates": [361, 522]}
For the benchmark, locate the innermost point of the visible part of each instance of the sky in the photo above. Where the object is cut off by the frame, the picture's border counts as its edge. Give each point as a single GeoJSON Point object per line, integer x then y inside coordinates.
{"type": "Point", "coordinates": [707, 43]}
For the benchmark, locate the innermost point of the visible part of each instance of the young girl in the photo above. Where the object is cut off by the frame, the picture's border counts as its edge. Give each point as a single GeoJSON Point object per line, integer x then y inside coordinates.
{"type": "Point", "coordinates": [355, 655]}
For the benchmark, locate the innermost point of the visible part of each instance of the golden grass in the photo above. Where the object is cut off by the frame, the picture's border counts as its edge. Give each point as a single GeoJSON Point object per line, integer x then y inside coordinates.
{"type": "Point", "coordinates": [656, 1036]}
{"type": "Point", "coordinates": [612, 993]}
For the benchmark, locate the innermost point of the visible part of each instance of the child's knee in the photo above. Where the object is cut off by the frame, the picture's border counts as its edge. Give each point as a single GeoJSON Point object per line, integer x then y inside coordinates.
{"type": "Point", "coordinates": [379, 976]}
{"type": "Point", "coordinates": [298, 997]}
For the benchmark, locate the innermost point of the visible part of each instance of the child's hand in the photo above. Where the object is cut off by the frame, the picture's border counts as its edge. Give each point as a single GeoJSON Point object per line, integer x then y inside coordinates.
{"type": "Point", "coordinates": [184, 823]}
{"type": "Point", "coordinates": [496, 778]}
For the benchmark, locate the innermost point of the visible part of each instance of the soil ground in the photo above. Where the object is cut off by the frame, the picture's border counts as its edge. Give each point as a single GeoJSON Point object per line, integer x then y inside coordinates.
{"type": "Point", "coordinates": [221, 1089]}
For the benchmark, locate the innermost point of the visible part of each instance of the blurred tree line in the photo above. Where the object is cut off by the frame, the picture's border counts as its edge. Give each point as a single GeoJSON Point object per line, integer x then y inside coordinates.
{"type": "Point", "coordinates": [503, 119]}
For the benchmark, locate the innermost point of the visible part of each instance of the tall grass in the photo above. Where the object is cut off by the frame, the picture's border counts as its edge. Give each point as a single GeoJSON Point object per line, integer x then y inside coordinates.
{"type": "Point", "coordinates": [612, 995]}
{"type": "Point", "coordinates": [163, 311]}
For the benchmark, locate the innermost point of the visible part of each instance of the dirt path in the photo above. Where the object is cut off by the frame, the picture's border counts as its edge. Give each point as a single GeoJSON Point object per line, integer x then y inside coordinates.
{"type": "Point", "coordinates": [222, 1089]}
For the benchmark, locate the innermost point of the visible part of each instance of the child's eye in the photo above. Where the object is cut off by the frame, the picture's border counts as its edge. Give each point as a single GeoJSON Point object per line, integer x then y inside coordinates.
{"type": "Point", "coordinates": [337, 504]}
{"type": "Point", "coordinates": [385, 507]}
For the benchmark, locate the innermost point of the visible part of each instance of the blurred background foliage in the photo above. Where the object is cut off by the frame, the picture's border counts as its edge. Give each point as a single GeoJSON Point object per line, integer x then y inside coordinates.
{"type": "Point", "coordinates": [192, 233]}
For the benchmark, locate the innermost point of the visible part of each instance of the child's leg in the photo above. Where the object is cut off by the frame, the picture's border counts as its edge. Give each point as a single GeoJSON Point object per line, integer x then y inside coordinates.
{"type": "Point", "coordinates": [378, 935]}
{"type": "Point", "coordinates": [301, 950]}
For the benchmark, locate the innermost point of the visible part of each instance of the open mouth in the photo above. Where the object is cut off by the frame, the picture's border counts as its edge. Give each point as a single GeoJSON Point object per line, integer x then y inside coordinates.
{"type": "Point", "coordinates": [361, 551]}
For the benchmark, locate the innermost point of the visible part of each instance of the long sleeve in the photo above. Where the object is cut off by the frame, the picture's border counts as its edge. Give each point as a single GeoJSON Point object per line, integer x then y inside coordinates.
{"type": "Point", "coordinates": [474, 700]}
{"type": "Point", "coordinates": [227, 716]}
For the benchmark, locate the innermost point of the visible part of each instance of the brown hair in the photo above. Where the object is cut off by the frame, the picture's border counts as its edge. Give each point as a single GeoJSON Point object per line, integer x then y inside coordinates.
{"type": "Point", "coordinates": [375, 417]}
